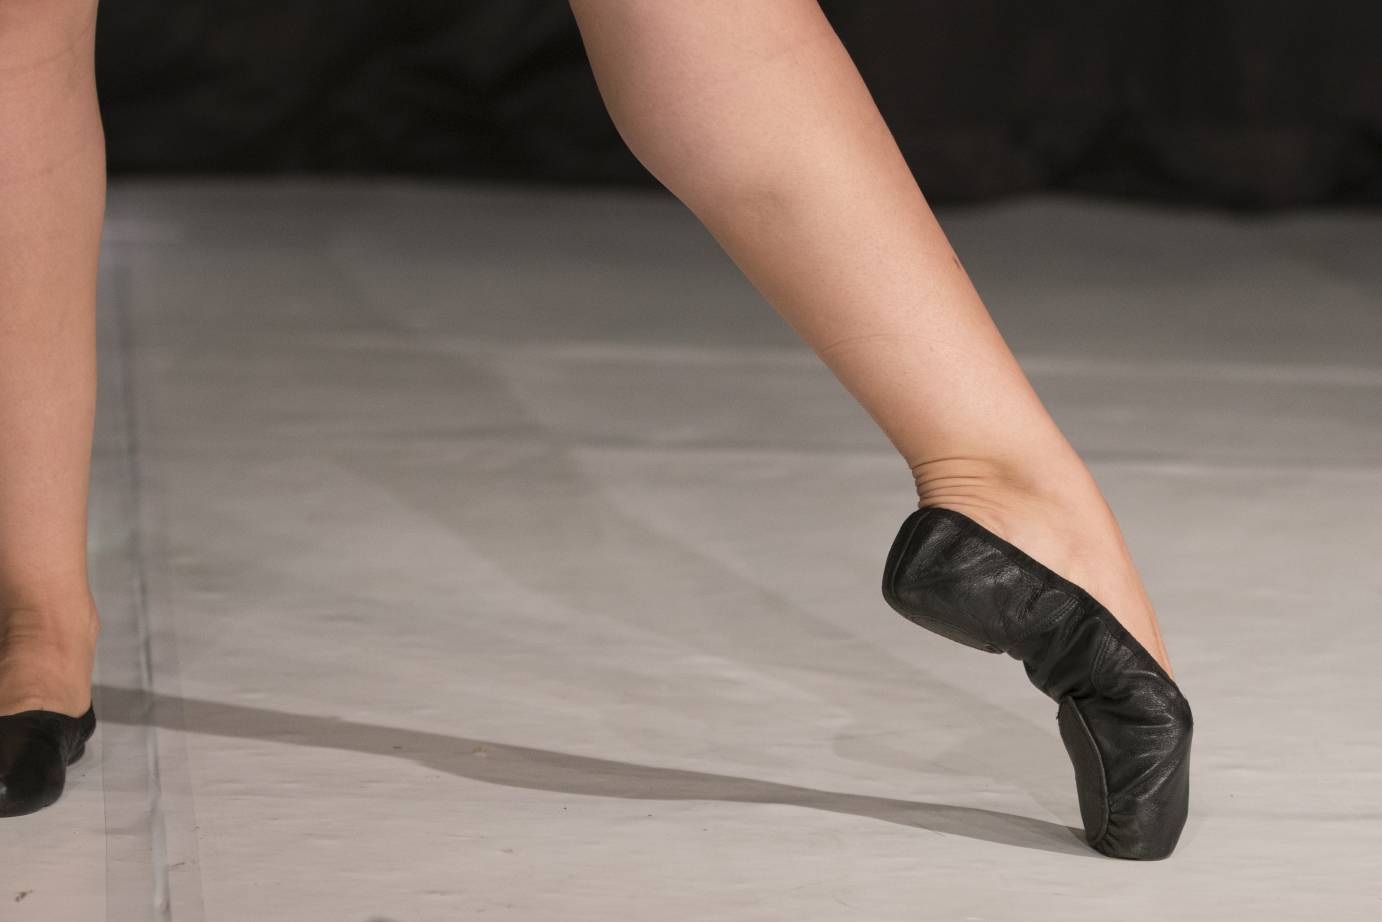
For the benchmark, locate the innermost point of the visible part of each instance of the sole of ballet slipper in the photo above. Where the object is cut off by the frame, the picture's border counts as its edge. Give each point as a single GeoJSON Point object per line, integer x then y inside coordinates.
{"type": "Point", "coordinates": [1091, 784]}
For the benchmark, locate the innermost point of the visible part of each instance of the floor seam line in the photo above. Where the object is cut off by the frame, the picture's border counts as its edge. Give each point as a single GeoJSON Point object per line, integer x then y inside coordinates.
{"type": "Point", "coordinates": [161, 906]}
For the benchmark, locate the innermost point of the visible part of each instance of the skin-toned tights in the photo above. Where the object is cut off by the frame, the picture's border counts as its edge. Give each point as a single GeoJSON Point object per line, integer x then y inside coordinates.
{"type": "Point", "coordinates": [755, 117]}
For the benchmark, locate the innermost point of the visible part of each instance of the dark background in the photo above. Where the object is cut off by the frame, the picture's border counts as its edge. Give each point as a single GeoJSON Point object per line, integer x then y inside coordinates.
{"type": "Point", "coordinates": [1243, 103]}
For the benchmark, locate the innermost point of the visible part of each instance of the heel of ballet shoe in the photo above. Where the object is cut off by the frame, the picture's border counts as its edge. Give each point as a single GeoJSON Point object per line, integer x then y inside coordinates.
{"type": "Point", "coordinates": [913, 593]}
{"type": "Point", "coordinates": [944, 575]}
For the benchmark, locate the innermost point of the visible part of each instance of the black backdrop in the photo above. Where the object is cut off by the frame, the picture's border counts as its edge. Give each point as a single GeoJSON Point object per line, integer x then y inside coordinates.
{"type": "Point", "coordinates": [1249, 103]}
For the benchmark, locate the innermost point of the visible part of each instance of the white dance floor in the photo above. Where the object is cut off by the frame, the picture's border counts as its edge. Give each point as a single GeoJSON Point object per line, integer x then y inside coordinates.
{"type": "Point", "coordinates": [485, 552]}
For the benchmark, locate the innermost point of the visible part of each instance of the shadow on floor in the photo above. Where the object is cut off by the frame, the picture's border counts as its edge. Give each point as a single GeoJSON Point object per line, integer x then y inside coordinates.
{"type": "Point", "coordinates": [545, 770]}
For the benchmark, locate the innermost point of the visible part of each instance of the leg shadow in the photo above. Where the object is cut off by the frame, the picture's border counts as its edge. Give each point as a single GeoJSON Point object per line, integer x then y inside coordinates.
{"type": "Point", "coordinates": [545, 770]}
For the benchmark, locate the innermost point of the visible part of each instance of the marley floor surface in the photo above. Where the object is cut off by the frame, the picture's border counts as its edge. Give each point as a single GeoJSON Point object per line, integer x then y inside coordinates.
{"type": "Point", "coordinates": [493, 552]}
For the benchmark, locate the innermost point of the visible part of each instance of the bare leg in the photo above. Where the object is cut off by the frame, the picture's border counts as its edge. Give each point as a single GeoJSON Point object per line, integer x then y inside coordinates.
{"type": "Point", "coordinates": [52, 193]}
{"type": "Point", "coordinates": [755, 117]}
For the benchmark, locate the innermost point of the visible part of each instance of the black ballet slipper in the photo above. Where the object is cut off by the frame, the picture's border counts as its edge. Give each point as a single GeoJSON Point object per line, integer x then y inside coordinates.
{"type": "Point", "coordinates": [35, 749]}
{"type": "Point", "coordinates": [1124, 722]}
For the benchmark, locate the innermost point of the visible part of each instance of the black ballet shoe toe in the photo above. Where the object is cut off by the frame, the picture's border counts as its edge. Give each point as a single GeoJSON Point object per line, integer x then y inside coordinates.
{"type": "Point", "coordinates": [1123, 720]}
{"type": "Point", "coordinates": [35, 749]}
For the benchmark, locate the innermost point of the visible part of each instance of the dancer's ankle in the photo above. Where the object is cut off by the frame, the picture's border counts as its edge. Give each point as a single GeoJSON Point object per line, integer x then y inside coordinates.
{"type": "Point", "coordinates": [1003, 496]}
{"type": "Point", "coordinates": [46, 658]}
{"type": "Point", "coordinates": [1057, 514]}
{"type": "Point", "coordinates": [61, 613]}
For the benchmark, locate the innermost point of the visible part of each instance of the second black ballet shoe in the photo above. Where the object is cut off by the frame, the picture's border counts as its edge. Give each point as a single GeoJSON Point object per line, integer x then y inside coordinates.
{"type": "Point", "coordinates": [35, 749]}
{"type": "Point", "coordinates": [1123, 720]}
